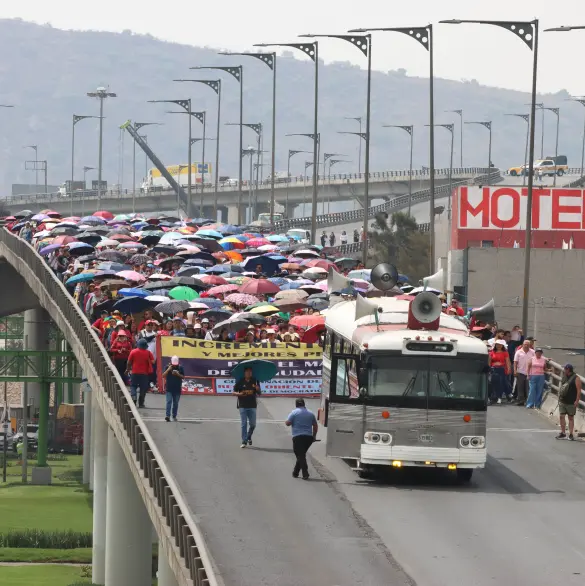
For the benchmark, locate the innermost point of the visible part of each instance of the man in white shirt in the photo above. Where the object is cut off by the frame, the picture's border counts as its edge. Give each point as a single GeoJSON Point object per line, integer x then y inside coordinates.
{"type": "Point", "coordinates": [521, 359]}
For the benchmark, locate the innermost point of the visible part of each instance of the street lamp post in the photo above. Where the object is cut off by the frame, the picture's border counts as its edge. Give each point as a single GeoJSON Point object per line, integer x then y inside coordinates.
{"type": "Point", "coordinates": [268, 59]}
{"type": "Point", "coordinates": [101, 94]}
{"type": "Point", "coordinates": [556, 112]}
{"type": "Point", "coordinates": [312, 51]}
{"type": "Point", "coordinates": [527, 32]}
{"type": "Point", "coordinates": [308, 164]}
{"type": "Point", "coordinates": [83, 195]}
{"type": "Point", "coordinates": [250, 152]}
{"type": "Point", "coordinates": [35, 148]}
{"type": "Point", "coordinates": [582, 102]}
{"type": "Point", "coordinates": [364, 44]}
{"type": "Point", "coordinates": [487, 125]}
{"type": "Point", "coordinates": [237, 72]}
{"type": "Point", "coordinates": [291, 154]}
{"type": "Point", "coordinates": [540, 106]}
{"type": "Point", "coordinates": [186, 105]}
{"type": "Point", "coordinates": [137, 126]}
{"type": "Point", "coordinates": [526, 119]}
{"type": "Point", "coordinates": [410, 130]}
{"type": "Point", "coordinates": [424, 36]}
{"type": "Point", "coordinates": [461, 122]}
{"type": "Point", "coordinates": [358, 119]}
{"type": "Point", "coordinates": [327, 157]}
{"type": "Point", "coordinates": [76, 119]}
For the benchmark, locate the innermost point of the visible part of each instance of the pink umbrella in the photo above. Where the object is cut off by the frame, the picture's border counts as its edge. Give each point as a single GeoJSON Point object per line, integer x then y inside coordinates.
{"type": "Point", "coordinates": [213, 280]}
{"type": "Point", "coordinates": [256, 242]}
{"type": "Point", "coordinates": [160, 277]}
{"type": "Point", "coordinates": [259, 286]}
{"type": "Point", "coordinates": [268, 247]}
{"type": "Point", "coordinates": [131, 276]}
{"type": "Point", "coordinates": [222, 289]}
{"type": "Point", "coordinates": [132, 245]}
{"type": "Point", "coordinates": [241, 299]}
{"type": "Point", "coordinates": [107, 242]}
{"type": "Point", "coordinates": [321, 285]}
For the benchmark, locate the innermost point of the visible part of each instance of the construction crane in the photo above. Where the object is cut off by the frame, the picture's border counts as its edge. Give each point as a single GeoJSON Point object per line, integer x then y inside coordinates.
{"type": "Point", "coordinates": [157, 163]}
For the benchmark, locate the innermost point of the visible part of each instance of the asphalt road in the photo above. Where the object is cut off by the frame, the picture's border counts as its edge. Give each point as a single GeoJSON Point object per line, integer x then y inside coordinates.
{"type": "Point", "coordinates": [519, 523]}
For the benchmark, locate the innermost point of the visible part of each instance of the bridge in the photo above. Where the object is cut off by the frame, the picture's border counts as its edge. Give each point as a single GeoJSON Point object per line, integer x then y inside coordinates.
{"type": "Point", "coordinates": [293, 195]}
{"type": "Point", "coordinates": [230, 517]}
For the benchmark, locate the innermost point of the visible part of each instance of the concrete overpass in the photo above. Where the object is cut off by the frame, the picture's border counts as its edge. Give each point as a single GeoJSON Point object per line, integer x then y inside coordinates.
{"type": "Point", "coordinates": [294, 196]}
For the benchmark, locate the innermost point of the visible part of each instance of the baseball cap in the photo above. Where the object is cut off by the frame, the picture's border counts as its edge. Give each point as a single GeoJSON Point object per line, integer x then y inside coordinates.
{"type": "Point", "coordinates": [538, 350]}
{"type": "Point", "coordinates": [119, 323]}
{"type": "Point", "coordinates": [569, 366]}
{"type": "Point", "coordinates": [204, 321]}
{"type": "Point", "coordinates": [175, 360]}
{"type": "Point", "coordinates": [197, 326]}
{"type": "Point", "coordinates": [300, 403]}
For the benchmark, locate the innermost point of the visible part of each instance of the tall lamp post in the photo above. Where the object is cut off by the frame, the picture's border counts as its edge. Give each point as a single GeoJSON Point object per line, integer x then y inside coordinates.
{"type": "Point", "coordinates": [186, 105]}
{"type": "Point", "coordinates": [487, 125]}
{"type": "Point", "coordinates": [582, 102]}
{"type": "Point", "coordinates": [257, 128]}
{"type": "Point", "coordinates": [291, 154]}
{"type": "Point", "coordinates": [410, 130]}
{"type": "Point", "coordinates": [101, 94]}
{"type": "Point", "coordinates": [268, 59]}
{"type": "Point", "coordinates": [527, 32]}
{"type": "Point", "coordinates": [461, 122]}
{"type": "Point", "coordinates": [35, 148]}
{"type": "Point", "coordinates": [204, 139]}
{"type": "Point", "coordinates": [215, 85]}
{"type": "Point", "coordinates": [237, 72]}
{"type": "Point", "coordinates": [250, 152]}
{"type": "Point", "coordinates": [556, 112]}
{"type": "Point", "coordinates": [364, 44]}
{"type": "Point", "coordinates": [327, 157]}
{"type": "Point", "coordinates": [76, 119]}
{"type": "Point", "coordinates": [137, 126]}
{"type": "Point", "coordinates": [526, 119]}
{"type": "Point", "coordinates": [312, 51]}
{"type": "Point", "coordinates": [359, 120]}
{"type": "Point", "coordinates": [424, 36]}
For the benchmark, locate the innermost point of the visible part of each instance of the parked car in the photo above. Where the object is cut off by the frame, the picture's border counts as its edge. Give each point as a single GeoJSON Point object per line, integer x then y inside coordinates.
{"type": "Point", "coordinates": [32, 432]}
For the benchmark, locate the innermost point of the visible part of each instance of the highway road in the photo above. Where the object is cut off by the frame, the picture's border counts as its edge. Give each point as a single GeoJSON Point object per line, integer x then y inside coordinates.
{"type": "Point", "coordinates": [520, 521]}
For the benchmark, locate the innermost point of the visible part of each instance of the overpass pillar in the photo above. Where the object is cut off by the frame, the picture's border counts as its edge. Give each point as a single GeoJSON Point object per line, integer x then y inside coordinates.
{"type": "Point", "coordinates": [36, 337]}
{"type": "Point", "coordinates": [128, 526]}
{"type": "Point", "coordinates": [94, 408]}
{"type": "Point", "coordinates": [165, 575]}
{"type": "Point", "coordinates": [232, 214]}
{"type": "Point", "coordinates": [100, 441]}
{"type": "Point", "coordinates": [223, 213]}
{"type": "Point", "coordinates": [86, 390]}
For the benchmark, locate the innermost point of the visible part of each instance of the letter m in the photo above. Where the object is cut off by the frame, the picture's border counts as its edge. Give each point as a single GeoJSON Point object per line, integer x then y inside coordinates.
{"type": "Point", "coordinates": [469, 206]}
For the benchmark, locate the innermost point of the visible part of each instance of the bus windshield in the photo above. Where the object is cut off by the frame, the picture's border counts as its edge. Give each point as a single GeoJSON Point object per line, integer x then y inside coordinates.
{"type": "Point", "coordinates": [438, 377]}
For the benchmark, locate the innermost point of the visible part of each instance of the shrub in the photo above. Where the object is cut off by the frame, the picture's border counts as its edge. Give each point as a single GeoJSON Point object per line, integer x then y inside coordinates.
{"type": "Point", "coordinates": [38, 538]}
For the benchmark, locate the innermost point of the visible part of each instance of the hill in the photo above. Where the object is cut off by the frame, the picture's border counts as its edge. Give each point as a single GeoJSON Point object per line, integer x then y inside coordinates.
{"type": "Point", "coordinates": [47, 72]}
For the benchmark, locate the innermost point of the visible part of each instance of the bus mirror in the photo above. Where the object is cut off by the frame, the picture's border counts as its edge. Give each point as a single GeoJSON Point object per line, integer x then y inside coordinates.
{"type": "Point", "coordinates": [362, 378]}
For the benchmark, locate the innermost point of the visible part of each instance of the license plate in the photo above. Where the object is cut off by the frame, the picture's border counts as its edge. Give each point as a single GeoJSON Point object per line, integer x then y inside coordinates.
{"type": "Point", "coordinates": [426, 438]}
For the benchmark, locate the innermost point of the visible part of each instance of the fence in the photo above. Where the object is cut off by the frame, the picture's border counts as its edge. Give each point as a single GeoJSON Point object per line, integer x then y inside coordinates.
{"type": "Point", "coordinates": [554, 379]}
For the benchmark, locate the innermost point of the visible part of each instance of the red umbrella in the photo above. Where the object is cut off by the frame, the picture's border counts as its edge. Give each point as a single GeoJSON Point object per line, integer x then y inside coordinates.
{"type": "Point", "coordinates": [121, 237]}
{"type": "Point", "coordinates": [213, 280]}
{"type": "Point", "coordinates": [51, 213]}
{"type": "Point", "coordinates": [307, 321]}
{"type": "Point", "coordinates": [321, 263]}
{"type": "Point", "coordinates": [312, 334]}
{"type": "Point", "coordinates": [259, 287]}
{"type": "Point", "coordinates": [256, 242]}
{"type": "Point", "coordinates": [104, 214]}
{"type": "Point", "coordinates": [222, 289]}
{"type": "Point", "coordinates": [63, 240]}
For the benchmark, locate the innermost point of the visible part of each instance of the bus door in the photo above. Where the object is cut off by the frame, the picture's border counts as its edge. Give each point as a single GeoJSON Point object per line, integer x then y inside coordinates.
{"type": "Point", "coordinates": [345, 410]}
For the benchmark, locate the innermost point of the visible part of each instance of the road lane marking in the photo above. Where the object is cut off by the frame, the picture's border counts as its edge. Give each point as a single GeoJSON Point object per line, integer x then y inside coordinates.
{"type": "Point", "coordinates": [212, 420]}
{"type": "Point", "coordinates": [520, 430]}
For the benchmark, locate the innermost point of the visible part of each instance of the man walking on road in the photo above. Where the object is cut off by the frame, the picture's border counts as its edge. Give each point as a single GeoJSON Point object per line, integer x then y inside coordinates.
{"type": "Point", "coordinates": [523, 355]}
{"type": "Point", "coordinates": [246, 390]}
{"type": "Point", "coordinates": [304, 433]}
{"type": "Point", "coordinates": [173, 375]}
{"type": "Point", "coordinates": [569, 396]}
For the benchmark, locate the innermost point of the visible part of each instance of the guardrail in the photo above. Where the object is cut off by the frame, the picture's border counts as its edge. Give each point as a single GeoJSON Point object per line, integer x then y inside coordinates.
{"type": "Point", "coordinates": [338, 179]}
{"type": "Point", "coordinates": [164, 495]}
{"type": "Point", "coordinates": [388, 206]}
{"type": "Point", "coordinates": [554, 379]}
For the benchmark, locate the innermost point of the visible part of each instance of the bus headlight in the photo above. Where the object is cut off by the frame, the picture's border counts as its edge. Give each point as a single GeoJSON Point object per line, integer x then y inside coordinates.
{"type": "Point", "coordinates": [371, 437]}
{"type": "Point", "coordinates": [385, 437]}
{"type": "Point", "coordinates": [468, 441]}
{"type": "Point", "coordinates": [464, 441]}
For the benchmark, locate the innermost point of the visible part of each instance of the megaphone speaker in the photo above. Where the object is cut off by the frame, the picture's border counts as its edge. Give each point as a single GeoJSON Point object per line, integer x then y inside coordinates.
{"type": "Point", "coordinates": [424, 312]}
{"type": "Point", "coordinates": [384, 276]}
{"type": "Point", "coordinates": [486, 313]}
{"type": "Point", "coordinates": [435, 281]}
{"type": "Point", "coordinates": [363, 307]}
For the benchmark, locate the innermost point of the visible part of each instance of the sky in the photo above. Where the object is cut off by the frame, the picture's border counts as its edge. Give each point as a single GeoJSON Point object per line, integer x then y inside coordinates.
{"type": "Point", "coordinates": [490, 55]}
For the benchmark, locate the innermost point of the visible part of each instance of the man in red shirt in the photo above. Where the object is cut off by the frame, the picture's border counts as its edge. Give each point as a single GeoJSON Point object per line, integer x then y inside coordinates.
{"type": "Point", "coordinates": [140, 367]}
{"type": "Point", "coordinates": [455, 305]}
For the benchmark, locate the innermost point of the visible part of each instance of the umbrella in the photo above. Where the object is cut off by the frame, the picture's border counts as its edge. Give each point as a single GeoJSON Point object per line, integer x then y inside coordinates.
{"type": "Point", "coordinates": [140, 259]}
{"type": "Point", "coordinates": [159, 276]}
{"type": "Point", "coordinates": [112, 266]}
{"type": "Point", "coordinates": [211, 302]}
{"type": "Point", "coordinates": [188, 271]}
{"type": "Point", "coordinates": [107, 242]}
{"type": "Point", "coordinates": [165, 249]}
{"type": "Point", "coordinates": [132, 245]}
{"type": "Point", "coordinates": [289, 305]}
{"type": "Point", "coordinates": [364, 274]}
{"type": "Point", "coordinates": [170, 307]}
{"type": "Point", "coordinates": [132, 304]}
{"type": "Point", "coordinates": [132, 292]}
{"type": "Point", "coordinates": [291, 294]}
{"type": "Point", "coordinates": [210, 233]}
{"type": "Point", "coordinates": [256, 242]}
{"type": "Point", "coordinates": [113, 283]}
{"type": "Point", "coordinates": [318, 304]}
{"type": "Point", "coordinates": [291, 266]}
{"type": "Point", "coordinates": [131, 276]}
{"type": "Point", "coordinates": [241, 299]}
{"type": "Point", "coordinates": [48, 249]}
{"type": "Point", "coordinates": [216, 314]}
{"type": "Point", "coordinates": [219, 269]}
{"type": "Point", "coordinates": [213, 280]}
{"type": "Point", "coordinates": [265, 309]}
{"type": "Point", "coordinates": [183, 293]}
{"type": "Point", "coordinates": [188, 282]}
{"type": "Point", "coordinates": [112, 255]}
{"type": "Point", "coordinates": [231, 325]}
{"type": "Point", "coordinates": [346, 263]}
{"type": "Point", "coordinates": [418, 290]}
{"type": "Point", "coordinates": [262, 370]}
{"type": "Point", "coordinates": [259, 286]}
{"type": "Point", "coordinates": [222, 289]}
{"type": "Point", "coordinates": [79, 248]}
{"type": "Point", "coordinates": [322, 263]}
{"type": "Point", "coordinates": [89, 237]}
{"type": "Point", "coordinates": [157, 298]}
{"type": "Point", "coordinates": [104, 214]}
{"type": "Point", "coordinates": [306, 253]}
{"type": "Point", "coordinates": [64, 240]}
{"type": "Point", "coordinates": [277, 238]}
{"type": "Point", "coordinates": [80, 278]}
{"type": "Point", "coordinates": [307, 321]}
{"type": "Point", "coordinates": [253, 318]}
{"type": "Point", "coordinates": [312, 335]}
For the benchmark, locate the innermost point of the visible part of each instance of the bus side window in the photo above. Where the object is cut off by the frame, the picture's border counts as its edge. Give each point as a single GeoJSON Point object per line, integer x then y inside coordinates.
{"type": "Point", "coordinates": [347, 380]}
{"type": "Point", "coordinates": [327, 349]}
{"type": "Point", "coordinates": [337, 344]}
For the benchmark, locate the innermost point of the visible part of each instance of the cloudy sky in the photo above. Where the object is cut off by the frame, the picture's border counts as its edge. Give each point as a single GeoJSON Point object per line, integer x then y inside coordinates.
{"type": "Point", "coordinates": [488, 54]}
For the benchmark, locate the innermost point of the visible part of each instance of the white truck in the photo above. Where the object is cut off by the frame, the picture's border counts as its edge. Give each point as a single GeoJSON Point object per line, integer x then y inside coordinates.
{"type": "Point", "coordinates": [156, 182]}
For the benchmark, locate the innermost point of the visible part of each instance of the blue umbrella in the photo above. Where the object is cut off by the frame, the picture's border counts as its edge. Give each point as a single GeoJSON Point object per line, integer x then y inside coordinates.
{"type": "Point", "coordinates": [211, 302]}
{"type": "Point", "coordinates": [133, 292]}
{"type": "Point", "coordinates": [133, 304]}
{"type": "Point", "coordinates": [262, 370]}
{"type": "Point", "coordinates": [74, 245]}
{"type": "Point", "coordinates": [280, 281]}
{"type": "Point", "coordinates": [277, 238]}
{"type": "Point", "coordinates": [80, 278]}
{"type": "Point", "coordinates": [210, 233]}
{"type": "Point", "coordinates": [269, 265]}
{"type": "Point", "coordinates": [200, 262]}
{"type": "Point", "coordinates": [113, 266]}
{"type": "Point", "coordinates": [219, 269]}
{"type": "Point", "coordinates": [48, 249]}
{"type": "Point", "coordinates": [95, 220]}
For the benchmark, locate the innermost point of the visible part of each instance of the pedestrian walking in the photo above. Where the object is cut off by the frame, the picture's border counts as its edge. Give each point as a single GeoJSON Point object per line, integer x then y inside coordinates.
{"type": "Point", "coordinates": [499, 362]}
{"type": "Point", "coordinates": [521, 358]}
{"type": "Point", "coordinates": [343, 238]}
{"type": "Point", "coordinates": [332, 239]}
{"type": "Point", "coordinates": [140, 367]}
{"type": "Point", "coordinates": [173, 375]}
{"type": "Point", "coordinates": [304, 432]}
{"type": "Point", "coordinates": [356, 236]}
{"type": "Point", "coordinates": [120, 351]}
{"type": "Point", "coordinates": [323, 239]}
{"type": "Point", "coordinates": [569, 397]}
{"type": "Point", "coordinates": [536, 374]}
{"type": "Point", "coordinates": [246, 390]}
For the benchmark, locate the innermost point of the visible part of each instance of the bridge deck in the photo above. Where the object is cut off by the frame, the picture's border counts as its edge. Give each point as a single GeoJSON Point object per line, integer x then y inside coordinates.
{"type": "Point", "coordinates": [519, 522]}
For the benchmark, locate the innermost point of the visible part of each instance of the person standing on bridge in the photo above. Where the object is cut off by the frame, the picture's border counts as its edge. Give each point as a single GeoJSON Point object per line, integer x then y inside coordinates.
{"type": "Point", "coordinates": [304, 432]}
{"type": "Point", "coordinates": [246, 390]}
{"type": "Point", "coordinates": [569, 397]}
{"type": "Point", "coordinates": [173, 375]}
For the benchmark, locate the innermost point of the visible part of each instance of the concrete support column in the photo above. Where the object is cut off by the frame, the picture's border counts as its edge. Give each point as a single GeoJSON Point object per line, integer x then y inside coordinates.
{"type": "Point", "coordinates": [165, 574]}
{"type": "Point", "coordinates": [128, 526]}
{"type": "Point", "coordinates": [86, 431]}
{"type": "Point", "coordinates": [36, 337]}
{"type": "Point", "coordinates": [223, 213]}
{"type": "Point", "coordinates": [232, 214]}
{"type": "Point", "coordinates": [94, 408]}
{"type": "Point", "coordinates": [100, 464]}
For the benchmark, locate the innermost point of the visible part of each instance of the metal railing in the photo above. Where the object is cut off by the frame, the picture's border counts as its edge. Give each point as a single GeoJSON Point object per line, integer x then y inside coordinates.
{"type": "Point", "coordinates": [394, 204]}
{"type": "Point", "coordinates": [554, 380]}
{"type": "Point", "coordinates": [165, 497]}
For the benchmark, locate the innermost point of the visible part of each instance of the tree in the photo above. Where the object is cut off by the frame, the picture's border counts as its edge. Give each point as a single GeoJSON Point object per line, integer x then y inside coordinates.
{"type": "Point", "coordinates": [397, 240]}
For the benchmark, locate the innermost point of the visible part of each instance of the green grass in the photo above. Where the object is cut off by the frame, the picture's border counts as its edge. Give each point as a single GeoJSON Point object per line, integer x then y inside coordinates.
{"type": "Point", "coordinates": [66, 505]}
{"type": "Point", "coordinates": [41, 576]}
{"type": "Point", "coordinates": [23, 554]}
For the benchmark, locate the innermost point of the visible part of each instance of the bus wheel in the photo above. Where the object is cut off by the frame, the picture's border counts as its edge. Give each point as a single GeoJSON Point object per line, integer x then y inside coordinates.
{"type": "Point", "coordinates": [464, 474]}
{"type": "Point", "coordinates": [364, 473]}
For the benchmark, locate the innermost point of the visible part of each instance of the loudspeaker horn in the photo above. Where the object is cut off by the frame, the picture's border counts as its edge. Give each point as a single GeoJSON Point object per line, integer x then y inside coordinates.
{"type": "Point", "coordinates": [486, 313]}
{"type": "Point", "coordinates": [336, 282]}
{"type": "Point", "coordinates": [435, 281]}
{"type": "Point", "coordinates": [384, 276]}
{"type": "Point", "coordinates": [363, 307]}
{"type": "Point", "coordinates": [424, 312]}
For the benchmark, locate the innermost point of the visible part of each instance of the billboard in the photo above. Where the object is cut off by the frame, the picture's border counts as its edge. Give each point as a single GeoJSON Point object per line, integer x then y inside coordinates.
{"type": "Point", "coordinates": [208, 365]}
{"type": "Point", "coordinates": [196, 168]}
{"type": "Point", "coordinates": [497, 215]}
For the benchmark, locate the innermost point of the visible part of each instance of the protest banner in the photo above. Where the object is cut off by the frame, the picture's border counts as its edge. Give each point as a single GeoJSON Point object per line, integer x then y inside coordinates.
{"type": "Point", "coordinates": [208, 365]}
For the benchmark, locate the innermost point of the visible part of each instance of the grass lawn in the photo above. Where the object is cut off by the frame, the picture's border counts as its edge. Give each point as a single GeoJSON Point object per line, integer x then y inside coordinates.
{"type": "Point", "coordinates": [22, 554]}
{"type": "Point", "coordinates": [64, 505]}
{"type": "Point", "coordinates": [40, 576]}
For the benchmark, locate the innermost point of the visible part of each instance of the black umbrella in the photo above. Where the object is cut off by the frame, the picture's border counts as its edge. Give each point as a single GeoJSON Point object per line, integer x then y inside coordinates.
{"type": "Point", "coordinates": [113, 256]}
{"type": "Point", "coordinates": [188, 282]}
{"type": "Point", "coordinates": [315, 296]}
{"type": "Point", "coordinates": [199, 262]}
{"type": "Point", "coordinates": [113, 266]}
{"type": "Point", "coordinates": [165, 249]}
{"type": "Point", "coordinates": [216, 314]}
{"type": "Point", "coordinates": [87, 258]}
{"type": "Point", "coordinates": [209, 244]}
{"type": "Point", "coordinates": [140, 259]}
{"type": "Point", "coordinates": [172, 306]}
{"type": "Point", "coordinates": [318, 304]}
{"type": "Point", "coordinates": [172, 259]}
{"type": "Point", "coordinates": [158, 285]}
{"type": "Point", "coordinates": [98, 230]}
{"type": "Point", "coordinates": [189, 271]}
{"type": "Point", "coordinates": [64, 231]}
{"type": "Point", "coordinates": [119, 230]}
{"type": "Point", "coordinates": [253, 318]}
{"type": "Point", "coordinates": [89, 237]}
